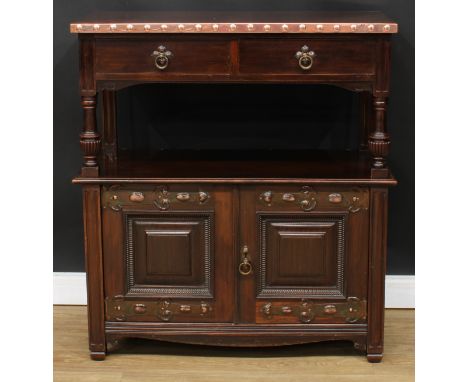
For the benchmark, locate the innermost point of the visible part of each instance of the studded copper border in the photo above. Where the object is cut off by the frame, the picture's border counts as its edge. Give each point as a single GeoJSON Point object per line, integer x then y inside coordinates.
{"type": "Point", "coordinates": [235, 28]}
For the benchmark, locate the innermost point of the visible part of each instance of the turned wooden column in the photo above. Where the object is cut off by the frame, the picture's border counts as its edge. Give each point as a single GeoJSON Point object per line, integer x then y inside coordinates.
{"type": "Point", "coordinates": [90, 139]}
{"type": "Point", "coordinates": [379, 140]}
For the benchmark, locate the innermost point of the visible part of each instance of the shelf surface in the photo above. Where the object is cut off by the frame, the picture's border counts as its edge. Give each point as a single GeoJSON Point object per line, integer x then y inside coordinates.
{"type": "Point", "coordinates": [235, 22]}
{"type": "Point", "coordinates": [239, 167]}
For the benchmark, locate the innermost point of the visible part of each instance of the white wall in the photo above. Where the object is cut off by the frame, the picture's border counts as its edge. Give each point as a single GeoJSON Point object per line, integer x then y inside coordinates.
{"type": "Point", "coordinates": [70, 289]}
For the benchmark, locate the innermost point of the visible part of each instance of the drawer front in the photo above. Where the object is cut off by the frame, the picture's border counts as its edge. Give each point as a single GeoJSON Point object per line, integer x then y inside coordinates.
{"type": "Point", "coordinates": [186, 56]}
{"type": "Point", "coordinates": [161, 244]}
{"type": "Point", "coordinates": [308, 252]}
{"type": "Point", "coordinates": [330, 56]}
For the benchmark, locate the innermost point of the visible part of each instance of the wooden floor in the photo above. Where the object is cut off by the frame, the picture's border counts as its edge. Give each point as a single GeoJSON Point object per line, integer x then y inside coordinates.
{"type": "Point", "coordinates": [141, 360]}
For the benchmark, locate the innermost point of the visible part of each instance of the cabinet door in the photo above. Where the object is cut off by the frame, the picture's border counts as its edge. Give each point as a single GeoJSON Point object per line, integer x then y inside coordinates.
{"type": "Point", "coordinates": [308, 252]}
{"type": "Point", "coordinates": [161, 245]}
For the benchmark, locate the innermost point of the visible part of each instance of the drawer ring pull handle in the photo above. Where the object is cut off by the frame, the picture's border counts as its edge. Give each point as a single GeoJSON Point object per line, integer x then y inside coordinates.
{"type": "Point", "coordinates": [161, 57]}
{"type": "Point", "coordinates": [245, 267]}
{"type": "Point", "coordinates": [305, 58]}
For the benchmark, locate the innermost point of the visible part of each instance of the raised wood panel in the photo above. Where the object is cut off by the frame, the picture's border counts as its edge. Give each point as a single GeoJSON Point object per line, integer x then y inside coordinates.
{"type": "Point", "coordinates": [169, 254]}
{"type": "Point", "coordinates": [160, 245]}
{"type": "Point", "coordinates": [166, 251]}
{"type": "Point", "coordinates": [301, 255]}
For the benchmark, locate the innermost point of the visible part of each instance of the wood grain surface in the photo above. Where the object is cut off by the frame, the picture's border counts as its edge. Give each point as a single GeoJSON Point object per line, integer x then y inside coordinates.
{"type": "Point", "coordinates": [140, 360]}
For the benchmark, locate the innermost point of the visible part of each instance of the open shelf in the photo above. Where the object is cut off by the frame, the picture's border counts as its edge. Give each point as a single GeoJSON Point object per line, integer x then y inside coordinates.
{"type": "Point", "coordinates": [210, 166]}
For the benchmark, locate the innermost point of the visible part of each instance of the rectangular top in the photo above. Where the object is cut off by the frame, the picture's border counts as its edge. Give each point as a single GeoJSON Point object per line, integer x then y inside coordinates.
{"type": "Point", "coordinates": [235, 22]}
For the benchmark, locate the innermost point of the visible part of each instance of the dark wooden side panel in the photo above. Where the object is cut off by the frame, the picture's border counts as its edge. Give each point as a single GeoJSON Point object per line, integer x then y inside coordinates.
{"type": "Point", "coordinates": [377, 268]}
{"type": "Point", "coordinates": [113, 252]}
{"type": "Point", "coordinates": [93, 256]}
{"type": "Point", "coordinates": [382, 67]}
{"type": "Point", "coordinates": [87, 79]}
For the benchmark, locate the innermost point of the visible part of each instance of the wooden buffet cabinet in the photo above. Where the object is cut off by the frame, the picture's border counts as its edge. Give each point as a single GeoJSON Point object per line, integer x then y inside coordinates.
{"type": "Point", "coordinates": [251, 252]}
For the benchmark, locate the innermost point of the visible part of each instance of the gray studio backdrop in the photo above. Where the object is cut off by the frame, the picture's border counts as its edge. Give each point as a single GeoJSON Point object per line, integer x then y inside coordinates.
{"type": "Point", "coordinates": [259, 107]}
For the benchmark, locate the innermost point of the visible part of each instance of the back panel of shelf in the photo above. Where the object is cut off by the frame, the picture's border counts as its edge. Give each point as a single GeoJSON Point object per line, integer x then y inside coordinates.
{"type": "Point", "coordinates": [237, 117]}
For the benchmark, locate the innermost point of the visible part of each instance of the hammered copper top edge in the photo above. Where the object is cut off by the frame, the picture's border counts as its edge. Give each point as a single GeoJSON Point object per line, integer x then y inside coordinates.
{"type": "Point", "coordinates": [243, 27]}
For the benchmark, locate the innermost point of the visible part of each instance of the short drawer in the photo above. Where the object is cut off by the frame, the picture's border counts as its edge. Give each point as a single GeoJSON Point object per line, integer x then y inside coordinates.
{"type": "Point", "coordinates": [330, 56]}
{"type": "Point", "coordinates": [129, 56]}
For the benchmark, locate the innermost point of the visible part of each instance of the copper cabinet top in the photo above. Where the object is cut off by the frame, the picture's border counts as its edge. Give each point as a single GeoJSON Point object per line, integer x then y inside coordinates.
{"type": "Point", "coordinates": [235, 22]}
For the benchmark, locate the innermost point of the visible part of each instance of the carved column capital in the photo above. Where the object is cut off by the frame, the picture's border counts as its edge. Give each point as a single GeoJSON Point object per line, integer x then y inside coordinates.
{"type": "Point", "coordinates": [379, 146]}
{"type": "Point", "coordinates": [90, 143]}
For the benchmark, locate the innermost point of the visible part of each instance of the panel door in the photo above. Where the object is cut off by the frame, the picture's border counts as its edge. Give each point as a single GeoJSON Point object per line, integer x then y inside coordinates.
{"type": "Point", "coordinates": [161, 244]}
{"type": "Point", "coordinates": [304, 255]}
